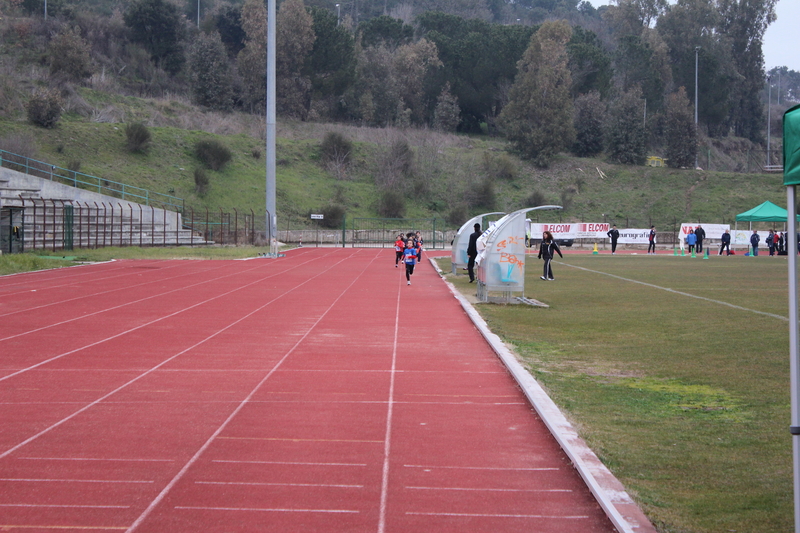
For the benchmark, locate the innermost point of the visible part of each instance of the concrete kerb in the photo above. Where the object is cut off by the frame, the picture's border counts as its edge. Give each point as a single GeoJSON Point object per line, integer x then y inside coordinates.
{"type": "Point", "coordinates": [620, 508]}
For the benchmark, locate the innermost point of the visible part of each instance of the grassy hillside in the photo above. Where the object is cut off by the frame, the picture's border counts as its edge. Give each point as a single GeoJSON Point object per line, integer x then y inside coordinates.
{"type": "Point", "coordinates": [452, 176]}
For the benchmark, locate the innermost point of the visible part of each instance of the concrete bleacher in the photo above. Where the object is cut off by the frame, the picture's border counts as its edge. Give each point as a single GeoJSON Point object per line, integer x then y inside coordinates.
{"type": "Point", "coordinates": [54, 214]}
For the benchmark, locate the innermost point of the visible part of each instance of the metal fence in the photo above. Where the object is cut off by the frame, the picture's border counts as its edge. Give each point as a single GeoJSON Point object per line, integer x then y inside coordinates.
{"type": "Point", "coordinates": [221, 227]}
{"type": "Point", "coordinates": [382, 232]}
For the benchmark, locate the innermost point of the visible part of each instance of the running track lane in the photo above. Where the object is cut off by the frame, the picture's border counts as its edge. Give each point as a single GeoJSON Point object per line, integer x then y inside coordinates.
{"type": "Point", "coordinates": [312, 393]}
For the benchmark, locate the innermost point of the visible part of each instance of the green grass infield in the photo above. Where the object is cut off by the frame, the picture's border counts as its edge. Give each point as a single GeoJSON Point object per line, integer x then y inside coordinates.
{"type": "Point", "coordinates": [675, 370]}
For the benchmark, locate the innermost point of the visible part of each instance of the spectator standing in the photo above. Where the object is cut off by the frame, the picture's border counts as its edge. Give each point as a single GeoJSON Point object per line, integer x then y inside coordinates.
{"type": "Point", "coordinates": [754, 238]}
{"type": "Point", "coordinates": [472, 251]}
{"type": "Point", "coordinates": [771, 242]}
{"type": "Point", "coordinates": [781, 243]}
{"type": "Point", "coordinates": [700, 234]}
{"type": "Point", "coordinates": [726, 242]}
{"type": "Point", "coordinates": [691, 240]}
{"type": "Point", "coordinates": [546, 250]}
{"type": "Point", "coordinates": [613, 234]}
{"type": "Point", "coordinates": [652, 241]}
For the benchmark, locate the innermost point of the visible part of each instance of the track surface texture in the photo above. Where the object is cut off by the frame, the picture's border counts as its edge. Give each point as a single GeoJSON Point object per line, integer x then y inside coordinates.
{"type": "Point", "coordinates": [316, 392]}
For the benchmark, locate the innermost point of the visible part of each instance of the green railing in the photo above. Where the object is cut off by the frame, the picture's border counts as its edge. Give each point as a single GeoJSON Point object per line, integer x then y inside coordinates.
{"type": "Point", "coordinates": [129, 193]}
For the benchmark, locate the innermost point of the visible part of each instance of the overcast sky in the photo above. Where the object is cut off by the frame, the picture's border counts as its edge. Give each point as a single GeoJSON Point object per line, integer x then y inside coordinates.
{"type": "Point", "coordinates": [780, 42]}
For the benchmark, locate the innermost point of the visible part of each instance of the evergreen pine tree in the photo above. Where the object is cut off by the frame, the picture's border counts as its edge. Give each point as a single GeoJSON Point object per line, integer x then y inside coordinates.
{"type": "Point", "coordinates": [681, 132]}
{"type": "Point", "coordinates": [538, 117]}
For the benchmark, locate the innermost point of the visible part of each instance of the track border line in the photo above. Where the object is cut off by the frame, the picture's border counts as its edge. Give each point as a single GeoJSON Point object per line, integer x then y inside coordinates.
{"type": "Point", "coordinates": [621, 509]}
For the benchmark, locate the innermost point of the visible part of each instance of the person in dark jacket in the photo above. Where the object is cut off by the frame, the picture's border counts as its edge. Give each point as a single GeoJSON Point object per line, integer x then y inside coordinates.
{"type": "Point", "coordinates": [651, 238]}
{"type": "Point", "coordinates": [699, 234]}
{"type": "Point", "coordinates": [613, 234]}
{"type": "Point", "coordinates": [546, 250]}
{"type": "Point", "coordinates": [472, 251]}
{"type": "Point", "coordinates": [754, 238]}
{"type": "Point", "coordinates": [726, 242]}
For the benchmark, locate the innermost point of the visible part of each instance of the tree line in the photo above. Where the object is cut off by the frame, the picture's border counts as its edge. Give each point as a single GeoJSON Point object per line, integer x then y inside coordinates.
{"type": "Point", "coordinates": [551, 75]}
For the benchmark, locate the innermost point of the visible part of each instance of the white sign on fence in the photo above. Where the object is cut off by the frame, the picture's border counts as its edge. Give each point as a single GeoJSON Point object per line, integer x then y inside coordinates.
{"type": "Point", "coordinates": [317, 217]}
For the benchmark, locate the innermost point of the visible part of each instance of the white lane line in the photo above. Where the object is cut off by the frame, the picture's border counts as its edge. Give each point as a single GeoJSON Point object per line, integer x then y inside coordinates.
{"type": "Point", "coordinates": [502, 515]}
{"type": "Point", "coordinates": [54, 506]}
{"type": "Point", "coordinates": [680, 293]}
{"type": "Point", "coordinates": [252, 393]}
{"type": "Point", "coordinates": [96, 459]}
{"type": "Point", "coordinates": [434, 467]}
{"type": "Point", "coordinates": [162, 363]}
{"type": "Point", "coordinates": [262, 484]}
{"type": "Point", "coordinates": [124, 287]}
{"type": "Point", "coordinates": [141, 325]}
{"type": "Point", "coordinates": [42, 480]}
{"type": "Point", "coordinates": [158, 295]}
{"type": "Point", "coordinates": [485, 489]}
{"type": "Point", "coordinates": [266, 510]}
{"type": "Point", "coordinates": [291, 463]}
{"type": "Point", "coordinates": [389, 411]}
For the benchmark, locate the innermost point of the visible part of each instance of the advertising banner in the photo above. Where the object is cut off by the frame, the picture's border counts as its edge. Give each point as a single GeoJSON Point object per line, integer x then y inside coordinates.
{"type": "Point", "coordinates": [635, 236]}
{"type": "Point", "coordinates": [574, 230]}
{"type": "Point", "coordinates": [713, 231]}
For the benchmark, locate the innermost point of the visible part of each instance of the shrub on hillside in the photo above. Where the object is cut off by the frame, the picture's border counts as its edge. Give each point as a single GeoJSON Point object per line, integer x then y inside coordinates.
{"type": "Point", "coordinates": [69, 55]}
{"type": "Point", "coordinates": [457, 215]}
{"type": "Point", "coordinates": [336, 148]}
{"type": "Point", "coordinates": [333, 216]}
{"type": "Point", "coordinates": [200, 181]}
{"type": "Point", "coordinates": [392, 204]}
{"type": "Point", "coordinates": [44, 108]}
{"type": "Point", "coordinates": [500, 167]}
{"type": "Point", "coordinates": [138, 137]}
{"type": "Point", "coordinates": [212, 153]}
{"type": "Point", "coordinates": [536, 199]}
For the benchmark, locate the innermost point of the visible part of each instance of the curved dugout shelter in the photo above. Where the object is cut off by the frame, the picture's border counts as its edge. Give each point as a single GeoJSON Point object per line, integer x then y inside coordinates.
{"type": "Point", "coordinates": [458, 254]}
{"type": "Point", "coordinates": [501, 261]}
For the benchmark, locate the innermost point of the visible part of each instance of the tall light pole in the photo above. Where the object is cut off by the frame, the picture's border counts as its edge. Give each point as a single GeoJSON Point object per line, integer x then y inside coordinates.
{"type": "Point", "coordinates": [198, 14]}
{"type": "Point", "coordinates": [696, 55]}
{"type": "Point", "coordinates": [769, 115]}
{"type": "Point", "coordinates": [337, 14]}
{"type": "Point", "coordinates": [272, 218]}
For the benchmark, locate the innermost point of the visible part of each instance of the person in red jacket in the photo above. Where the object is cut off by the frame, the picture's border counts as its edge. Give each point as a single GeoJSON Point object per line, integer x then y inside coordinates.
{"type": "Point", "coordinates": [399, 246]}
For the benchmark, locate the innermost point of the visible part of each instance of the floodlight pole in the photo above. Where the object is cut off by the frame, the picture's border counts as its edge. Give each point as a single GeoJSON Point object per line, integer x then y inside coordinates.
{"type": "Point", "coordinates": [794, 353]}
{"type": "Point", "coordinates": [696, 55]}
{"type": "Point", "coordinates": [272, 218]}
{"type": "Point", "coordinates": [769, 115]}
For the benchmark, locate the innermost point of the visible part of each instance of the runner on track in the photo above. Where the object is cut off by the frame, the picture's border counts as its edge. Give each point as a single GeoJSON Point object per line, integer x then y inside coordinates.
{"type": "Point", "coordinates": [410, 259]}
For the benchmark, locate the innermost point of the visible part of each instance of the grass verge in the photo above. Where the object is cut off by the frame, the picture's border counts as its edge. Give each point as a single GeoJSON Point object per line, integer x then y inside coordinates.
{"type": "Point", "coordinates": [683, 393]}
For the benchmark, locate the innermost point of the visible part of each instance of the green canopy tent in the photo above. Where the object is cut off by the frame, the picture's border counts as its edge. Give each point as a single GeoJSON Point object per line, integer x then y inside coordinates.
{"type": "Point", "coordinates": [766, 212]}
{"type": "Point", "coordinates": [791, 178]}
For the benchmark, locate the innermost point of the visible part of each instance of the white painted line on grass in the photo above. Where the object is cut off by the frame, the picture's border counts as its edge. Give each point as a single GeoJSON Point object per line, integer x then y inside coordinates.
{"type": "Point", "coordinates": [680, 293]}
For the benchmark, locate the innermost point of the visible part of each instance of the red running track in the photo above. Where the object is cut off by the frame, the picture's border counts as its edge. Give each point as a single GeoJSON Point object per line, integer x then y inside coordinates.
{"type": "Point", "coordinates": [317, 392]}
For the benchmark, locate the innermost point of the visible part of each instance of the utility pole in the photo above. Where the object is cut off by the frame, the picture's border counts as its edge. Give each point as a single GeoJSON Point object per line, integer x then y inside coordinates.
{"type": "Point", "coordinates": [696, 54]}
